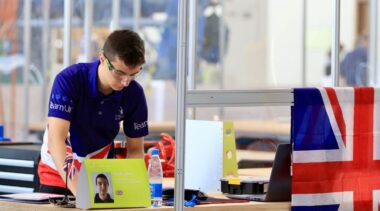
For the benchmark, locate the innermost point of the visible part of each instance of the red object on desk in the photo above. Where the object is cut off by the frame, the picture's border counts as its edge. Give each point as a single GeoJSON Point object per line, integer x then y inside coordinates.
{"type": "Point", "coordinates": [166, 146]}
{"type": "Point", "coordinates": [167, 154]}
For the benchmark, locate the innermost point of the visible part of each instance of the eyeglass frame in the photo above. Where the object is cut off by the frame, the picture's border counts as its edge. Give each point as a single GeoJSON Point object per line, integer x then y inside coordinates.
{"type": "Point", "coordinates": [119, 73]}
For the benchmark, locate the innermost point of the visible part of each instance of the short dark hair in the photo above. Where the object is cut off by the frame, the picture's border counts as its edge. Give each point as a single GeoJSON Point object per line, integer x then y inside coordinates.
{"type": "Point", "coordinates": [101, 176]}
{"type": "Point", "coordinates": [127, 45]}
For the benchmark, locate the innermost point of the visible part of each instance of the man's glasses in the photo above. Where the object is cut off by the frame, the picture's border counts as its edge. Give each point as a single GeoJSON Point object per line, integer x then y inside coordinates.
{"type": "Point", "coordinates": [120, 74]}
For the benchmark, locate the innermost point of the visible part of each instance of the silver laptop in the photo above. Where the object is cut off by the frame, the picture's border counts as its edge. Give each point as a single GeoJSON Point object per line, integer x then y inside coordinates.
{"type": "Point", "coordinates": [279, 188]}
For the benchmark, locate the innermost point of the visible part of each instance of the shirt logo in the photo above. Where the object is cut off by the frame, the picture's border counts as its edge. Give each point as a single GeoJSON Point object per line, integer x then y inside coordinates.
{"type": "Point", "coordinates": [120, 115]}
{"type": "Point", "coordinates": [138, 126]}
{"type": "Point", "coordinates": [64, 108]}
{"type": "Point", "coordinates": [61, 103]}
{"type": "Point", "coordinates": [61, 99]}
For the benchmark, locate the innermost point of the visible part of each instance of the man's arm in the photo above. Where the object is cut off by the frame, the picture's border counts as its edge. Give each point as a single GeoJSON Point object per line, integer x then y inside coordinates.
{"type": "Point", "coordinates": [135, 147]}
{"type": "Point", "coordinates": [58, 131]}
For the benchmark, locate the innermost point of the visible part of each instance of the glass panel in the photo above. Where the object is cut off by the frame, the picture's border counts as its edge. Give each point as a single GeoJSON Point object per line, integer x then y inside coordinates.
{"type": "Point", "coordinates": [262, 47]}
{"type": "Point", "coordinates": [126, 10]}
{"type": "Point", "coordinates": [11, 70]}
{"type": "Point", "coordinates": [241, 44]}
{"type": "Point", "coordinates": [318, 43]}
{"type": "Point", "coordinates": [150, 8]}
{"type": "Point", "coordinates": [258, 131]}
{"type": "Point", "coordinates": [354, 41]}
{"type": "Point", "coordinates": [263, 122]}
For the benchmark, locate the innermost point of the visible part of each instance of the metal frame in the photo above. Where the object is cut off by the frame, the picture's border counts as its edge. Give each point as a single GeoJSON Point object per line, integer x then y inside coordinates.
{"type": "Point", "coordinates": [67, 33]}
{"type": "Point", "coordinates": [115, 15]}
{"type": "Point", "coordinates": [373, 44]}
{"type": "Point", "coordinates": [335, 45]}
{"type": "Point", "coordinates": [136, 15]}
{"type": "Point", "coordinates": [238, 98]}
{"type": "Point", "coordinates": [88, 16]}
{"type": "Point", "coordinates": [27, 52]}
{"type": "Point", "coordinates": [195, 98]}
{"type": "Point", "coordinates": [182, 55]}
{"type": "Point", "coordinates": [303, 42]}
{"type": "Point", "coordinates": [45, 56]}
{"type": "Point", "coordinates": [192, 49]}
{"type": "Point", "coordinates": [222, 46]}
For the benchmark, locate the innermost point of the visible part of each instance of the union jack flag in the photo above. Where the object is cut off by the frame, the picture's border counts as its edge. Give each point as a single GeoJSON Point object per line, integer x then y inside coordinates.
{"type": "Point", "coordinates": [101, 153]}
{"type": "Point", "coordinates": [336, 149]}
{"type": "Point", "coordinates": [74, 162]}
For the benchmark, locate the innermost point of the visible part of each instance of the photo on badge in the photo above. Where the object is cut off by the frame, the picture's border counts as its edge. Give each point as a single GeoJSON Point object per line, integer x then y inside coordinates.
{"type": "Point", "coordinates": [103, 192]}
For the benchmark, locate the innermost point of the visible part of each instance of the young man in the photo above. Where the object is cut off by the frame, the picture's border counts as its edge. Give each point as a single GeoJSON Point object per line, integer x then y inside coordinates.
{"type": "Point", "coordinates": [87, 103]}
{"type": "Point", "coordinates": [102, 196]}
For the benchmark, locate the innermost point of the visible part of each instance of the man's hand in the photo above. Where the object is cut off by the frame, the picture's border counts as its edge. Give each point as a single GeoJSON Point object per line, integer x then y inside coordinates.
{"type": "Point", "coordinates": [58, 130]}
{"type": "Point", "coordinates": [135, 147]}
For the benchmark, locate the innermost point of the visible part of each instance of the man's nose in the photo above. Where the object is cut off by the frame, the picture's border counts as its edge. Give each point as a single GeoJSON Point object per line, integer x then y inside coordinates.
{"type": "Point", "coordinates": [125, 82]}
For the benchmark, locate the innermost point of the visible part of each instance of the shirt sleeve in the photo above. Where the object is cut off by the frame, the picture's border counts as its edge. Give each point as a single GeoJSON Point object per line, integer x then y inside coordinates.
{"type": "Point", "coordinates": [135, 122]}
{"type": "Point", "coordinates": [61, 102]}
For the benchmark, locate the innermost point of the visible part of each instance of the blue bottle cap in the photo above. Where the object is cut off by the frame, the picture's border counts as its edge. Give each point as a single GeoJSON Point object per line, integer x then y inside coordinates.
{"type": "Point", "coordinates": [155, 152]}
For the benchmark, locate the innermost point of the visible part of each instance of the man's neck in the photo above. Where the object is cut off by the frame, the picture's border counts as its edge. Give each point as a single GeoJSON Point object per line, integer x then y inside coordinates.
{"type": "Point", "coordinates": [102, 196]}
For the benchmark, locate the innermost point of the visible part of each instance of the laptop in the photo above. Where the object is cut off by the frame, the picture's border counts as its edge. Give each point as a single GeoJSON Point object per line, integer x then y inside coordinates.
{"type": "Point", "coordinates": [279, 188]}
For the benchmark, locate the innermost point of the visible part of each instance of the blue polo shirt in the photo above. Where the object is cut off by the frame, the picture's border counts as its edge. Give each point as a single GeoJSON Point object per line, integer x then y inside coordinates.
{"type": "Point", "coordinates": [95, 118]}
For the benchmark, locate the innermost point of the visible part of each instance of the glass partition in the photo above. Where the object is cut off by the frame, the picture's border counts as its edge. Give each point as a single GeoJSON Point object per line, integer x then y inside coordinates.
{"type": "Point", "coordinates": [240, 45]}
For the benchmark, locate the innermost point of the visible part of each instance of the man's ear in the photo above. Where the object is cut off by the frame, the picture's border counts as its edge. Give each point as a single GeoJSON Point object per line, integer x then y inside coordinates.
{"type": "Point", "coordinates": [101, 57]}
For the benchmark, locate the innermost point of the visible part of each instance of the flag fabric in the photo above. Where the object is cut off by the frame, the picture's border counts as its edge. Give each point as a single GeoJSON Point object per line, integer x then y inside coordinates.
{"type": "Point", "coordinates": [336, 149]}
{"type": "Point", "coordinates": [73, 162]}
{"type": "Point", "coordinates": [71, 165]}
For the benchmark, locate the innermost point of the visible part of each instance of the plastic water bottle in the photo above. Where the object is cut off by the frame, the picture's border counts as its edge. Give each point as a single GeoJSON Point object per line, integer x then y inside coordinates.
{"type": "Point", "coordinates": [155, 178]}
{"type": "Point", "coordinates": [1, 132]}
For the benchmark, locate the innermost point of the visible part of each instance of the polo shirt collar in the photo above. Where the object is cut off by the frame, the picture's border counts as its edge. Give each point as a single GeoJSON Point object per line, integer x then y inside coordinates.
{"type": "Point", "coordinates": [93, 78]}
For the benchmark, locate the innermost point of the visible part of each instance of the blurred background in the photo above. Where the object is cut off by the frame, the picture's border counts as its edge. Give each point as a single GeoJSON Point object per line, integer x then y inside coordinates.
{"type": "Point", "coordinates": [240, 45]}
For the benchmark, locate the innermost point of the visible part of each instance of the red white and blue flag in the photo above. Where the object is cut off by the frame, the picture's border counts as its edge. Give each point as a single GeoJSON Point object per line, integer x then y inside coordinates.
{"type": "Point", "coordinates": [336, 149]}
{"type": "Point", "coordinates": [73, 162]}
{"type": "Point", "coordinates": [75, 154]}
{"type": "Point", "coordinates": [71, 165]}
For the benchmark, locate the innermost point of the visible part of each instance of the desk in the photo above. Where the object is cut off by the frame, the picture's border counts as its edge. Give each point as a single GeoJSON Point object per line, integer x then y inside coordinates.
{"type": "Point", "coordinates": [12, 206]}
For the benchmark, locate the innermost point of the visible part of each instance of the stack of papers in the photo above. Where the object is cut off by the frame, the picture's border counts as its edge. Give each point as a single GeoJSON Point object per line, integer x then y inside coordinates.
{"type": "Point", "coordinates": [34, 198]}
